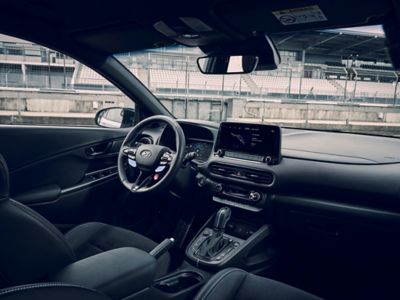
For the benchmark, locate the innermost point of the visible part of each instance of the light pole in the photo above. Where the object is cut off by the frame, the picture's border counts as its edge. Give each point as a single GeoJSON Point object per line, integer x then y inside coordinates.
{"type": "Point", "coordinates": [395, 88]}
{"type": "Point", "coordinates": [8, 71]}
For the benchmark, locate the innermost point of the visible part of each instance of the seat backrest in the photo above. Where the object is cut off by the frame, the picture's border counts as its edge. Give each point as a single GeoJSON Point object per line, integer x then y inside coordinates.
{"type": "Point", "coordinates": [50, 291]}
{"type": "Point", "coordinates": [30, 246]}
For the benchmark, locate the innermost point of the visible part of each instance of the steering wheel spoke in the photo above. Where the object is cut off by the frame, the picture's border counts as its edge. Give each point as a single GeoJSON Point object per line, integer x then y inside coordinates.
{"type": "Point", "coordinates": [141, 181]}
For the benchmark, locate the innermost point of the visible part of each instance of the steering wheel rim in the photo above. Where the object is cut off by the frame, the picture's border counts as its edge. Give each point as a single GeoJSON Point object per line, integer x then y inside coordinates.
{"type": "Point", "coordinates": [171, 161]}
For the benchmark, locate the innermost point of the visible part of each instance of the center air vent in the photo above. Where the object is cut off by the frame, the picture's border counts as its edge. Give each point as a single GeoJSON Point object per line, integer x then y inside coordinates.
{"type": "Point", "coordinates": [262, 177]}
{"type": "Point", "coordinates": [145, 140]}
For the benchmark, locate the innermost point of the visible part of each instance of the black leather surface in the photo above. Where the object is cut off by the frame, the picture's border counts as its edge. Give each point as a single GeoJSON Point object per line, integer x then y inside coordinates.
{"type": "Point", "coordinates": [117, 273]}
{"type": "Point", "coordinates": [31, 247]}
{"type": "Point", "coordinates": [237, 284]}
{"type": "Point", "coordinates": [4, 180]}
{"type": "Point", "coordinates": [50, 291]}
{"type": "Point", "coordinates": [93, 238]}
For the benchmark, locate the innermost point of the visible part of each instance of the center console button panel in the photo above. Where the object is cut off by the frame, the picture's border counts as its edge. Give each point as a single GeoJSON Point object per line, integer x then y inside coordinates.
{"type": "Point", "coordinates": [252, 199]}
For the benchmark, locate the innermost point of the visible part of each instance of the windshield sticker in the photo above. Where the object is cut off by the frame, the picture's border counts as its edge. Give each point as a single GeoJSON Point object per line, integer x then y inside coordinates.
{"type": "Point", "coordinates": [307, 14]}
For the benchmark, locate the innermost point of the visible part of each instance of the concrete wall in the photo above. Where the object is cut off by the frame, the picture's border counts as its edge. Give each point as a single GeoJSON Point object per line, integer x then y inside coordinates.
{"type": "Point", "coordinates": [239, 108]}
{"type": "Point", "coordinates": [60, 101]}
{"type": "Point", "coordinates": [75, 108]}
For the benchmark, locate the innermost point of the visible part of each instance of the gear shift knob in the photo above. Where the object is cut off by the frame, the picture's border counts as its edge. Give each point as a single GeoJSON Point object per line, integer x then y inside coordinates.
{"type": "Point", "coordinates": [221, 218]}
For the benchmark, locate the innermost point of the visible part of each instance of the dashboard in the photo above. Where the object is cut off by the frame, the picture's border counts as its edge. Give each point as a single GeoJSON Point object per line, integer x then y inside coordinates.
{"type": "Point", "coordinates": [342, 189]}
{"type": "Point", "coordinates": [333, 168]}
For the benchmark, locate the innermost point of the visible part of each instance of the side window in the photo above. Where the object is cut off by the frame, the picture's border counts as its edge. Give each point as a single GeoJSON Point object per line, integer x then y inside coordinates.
{"type": "Point", "coordinates": [39, 86]}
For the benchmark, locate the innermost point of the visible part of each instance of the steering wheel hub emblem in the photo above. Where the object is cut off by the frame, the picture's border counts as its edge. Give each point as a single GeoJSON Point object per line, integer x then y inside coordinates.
{"type": "Point", "coordinates": [145, 153]}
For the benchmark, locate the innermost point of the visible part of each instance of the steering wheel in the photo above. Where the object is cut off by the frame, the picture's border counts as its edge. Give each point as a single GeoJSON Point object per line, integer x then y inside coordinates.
{"type": "Point", "coordinates": [154, 165]}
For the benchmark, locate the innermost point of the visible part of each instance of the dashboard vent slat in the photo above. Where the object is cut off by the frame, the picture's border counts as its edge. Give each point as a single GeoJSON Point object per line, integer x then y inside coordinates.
{"type": "Point", "coordinates": [242, 173]}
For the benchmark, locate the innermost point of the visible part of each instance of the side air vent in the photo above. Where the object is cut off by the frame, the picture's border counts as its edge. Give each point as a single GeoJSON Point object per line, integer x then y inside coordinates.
{"type": "Point", "coordinates": [262, 177]}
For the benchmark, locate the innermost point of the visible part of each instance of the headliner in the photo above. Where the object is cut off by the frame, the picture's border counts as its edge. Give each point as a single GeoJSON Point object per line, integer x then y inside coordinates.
{"type": "Point", "coordinates": [106, 27]}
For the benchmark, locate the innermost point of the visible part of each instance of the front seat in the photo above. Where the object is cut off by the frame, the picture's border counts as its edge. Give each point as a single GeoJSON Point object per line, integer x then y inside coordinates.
{"type": "Point", "coordinates": [237, 284]}
{"type": "Point", "coordinates": [50, 291]}
{"type": "Point", "coordinates": [31, 248]}
{"type": "Point", "coordinates": [225, 285]}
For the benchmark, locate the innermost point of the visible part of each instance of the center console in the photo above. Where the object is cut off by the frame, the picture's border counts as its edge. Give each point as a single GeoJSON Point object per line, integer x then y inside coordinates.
{"type": "Point", "coordinates": [220, 245]}
{"type": "Point", "coordinates": [238, 176]}
{"type": "Point", "coordinates": [241, 170]}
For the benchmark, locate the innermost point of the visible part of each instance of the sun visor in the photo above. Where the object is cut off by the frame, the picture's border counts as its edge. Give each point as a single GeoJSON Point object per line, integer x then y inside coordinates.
{"type": "Point", "coordinates": [189, 31]}
{"type": "Point", "coordinates": [122, 38]}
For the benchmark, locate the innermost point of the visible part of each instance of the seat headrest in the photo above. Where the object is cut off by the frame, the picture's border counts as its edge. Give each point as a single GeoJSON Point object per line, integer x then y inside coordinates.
{"type": "Point", "coordinates": [4, 179]}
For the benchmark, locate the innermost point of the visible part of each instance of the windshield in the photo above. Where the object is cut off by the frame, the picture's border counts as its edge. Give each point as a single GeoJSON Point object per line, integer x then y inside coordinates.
{"type": "Point", "coordinates": [329, 80]}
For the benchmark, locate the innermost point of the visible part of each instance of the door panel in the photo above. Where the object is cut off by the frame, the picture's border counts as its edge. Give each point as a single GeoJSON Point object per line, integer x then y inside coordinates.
{"type": "Point", "coordinates": [67, 174]}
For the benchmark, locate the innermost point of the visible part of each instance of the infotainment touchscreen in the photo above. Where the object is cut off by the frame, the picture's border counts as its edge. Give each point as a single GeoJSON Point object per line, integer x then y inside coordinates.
{"type": "Point", "coordinates": [258, 139]}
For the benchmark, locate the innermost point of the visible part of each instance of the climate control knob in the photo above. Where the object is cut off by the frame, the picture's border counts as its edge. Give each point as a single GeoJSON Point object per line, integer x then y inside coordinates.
{"type": "Point", "coordinates": [218, 188]}
{"type": "Point", "coordinates": [254, 196]}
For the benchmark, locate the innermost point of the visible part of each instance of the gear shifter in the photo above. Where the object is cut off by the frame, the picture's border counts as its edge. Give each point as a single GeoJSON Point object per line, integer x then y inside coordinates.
{"type": "Point", "coordinates": [216, 242]}
{"type": "Point", "coordinates": [221, 218]}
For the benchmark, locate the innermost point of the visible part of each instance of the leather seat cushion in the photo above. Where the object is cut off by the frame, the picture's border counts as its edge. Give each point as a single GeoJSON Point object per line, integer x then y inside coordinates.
{"type": "Point", "coordinates": [50, 291]}
{"type": "Point", "coordinates": [241, 285]}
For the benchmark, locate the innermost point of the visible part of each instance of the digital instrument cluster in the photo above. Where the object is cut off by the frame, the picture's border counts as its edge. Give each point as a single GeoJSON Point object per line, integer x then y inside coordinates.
{"type": "Point", "coordinates": [202, 149]}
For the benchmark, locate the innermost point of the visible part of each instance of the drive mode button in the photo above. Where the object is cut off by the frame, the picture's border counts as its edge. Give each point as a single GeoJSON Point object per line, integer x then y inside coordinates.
{"type": "Point", "coordinates": [254, 196]}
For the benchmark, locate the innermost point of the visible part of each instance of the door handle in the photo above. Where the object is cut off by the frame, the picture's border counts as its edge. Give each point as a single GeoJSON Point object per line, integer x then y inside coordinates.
{"type": "Point", "coordinates": [99, 149]}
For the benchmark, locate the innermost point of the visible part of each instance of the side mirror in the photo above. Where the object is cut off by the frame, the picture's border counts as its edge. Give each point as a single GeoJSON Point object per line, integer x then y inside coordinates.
{"type": "Point", "coordinates": [115, 117]}
{"type": "Point", "coordinates": [227, 64]}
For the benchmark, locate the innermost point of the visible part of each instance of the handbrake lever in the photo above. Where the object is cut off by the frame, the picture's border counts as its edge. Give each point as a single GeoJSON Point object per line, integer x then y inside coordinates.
{"type": "Point", "coordinates": [162, 248]}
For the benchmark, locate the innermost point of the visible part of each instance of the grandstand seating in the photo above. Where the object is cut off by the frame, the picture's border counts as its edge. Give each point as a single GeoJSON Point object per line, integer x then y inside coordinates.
{"type": "Point", "coordinates": [375, 67]}
{"type": "Point", "coordinates": [374, 89]}
{"type": "Point", "coordinates": [270, 84]}
{"type": "Point", "coordinates": [88, 76]}
{"type": "Point", "coordinates": [23, 73]}
{"type": "Point", "coordinates": [172, 79]}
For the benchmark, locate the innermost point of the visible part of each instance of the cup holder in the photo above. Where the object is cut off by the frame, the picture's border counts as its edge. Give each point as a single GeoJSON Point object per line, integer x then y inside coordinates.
{"type": "Point", "coordinates": [179, 282]}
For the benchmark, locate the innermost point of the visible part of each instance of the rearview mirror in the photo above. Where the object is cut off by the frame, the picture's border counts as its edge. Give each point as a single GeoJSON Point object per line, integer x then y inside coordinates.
{"type": "Point", "coordinates": [257, 53]}
{"type": "Point", "coordinates": [115, 117]}
{"type": "Point", "coordinates": [227, 64]}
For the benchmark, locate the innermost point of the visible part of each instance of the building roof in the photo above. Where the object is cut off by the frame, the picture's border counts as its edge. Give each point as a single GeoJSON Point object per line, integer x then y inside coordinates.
{"type": "Point", "coordinates": [336, 44]}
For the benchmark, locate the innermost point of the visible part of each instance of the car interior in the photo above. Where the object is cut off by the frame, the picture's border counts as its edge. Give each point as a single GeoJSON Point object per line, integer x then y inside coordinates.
{"type": "Point", "coordinates": [150, 206]}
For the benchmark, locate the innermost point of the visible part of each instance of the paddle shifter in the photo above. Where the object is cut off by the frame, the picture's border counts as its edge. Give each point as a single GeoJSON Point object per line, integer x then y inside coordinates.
{"type": "Point", "coordinates": [215, 241]}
